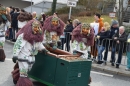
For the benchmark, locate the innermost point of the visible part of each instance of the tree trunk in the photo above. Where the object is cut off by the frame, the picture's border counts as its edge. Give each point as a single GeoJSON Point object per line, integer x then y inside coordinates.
{"type": "Point", "coordinates": [54, 6]}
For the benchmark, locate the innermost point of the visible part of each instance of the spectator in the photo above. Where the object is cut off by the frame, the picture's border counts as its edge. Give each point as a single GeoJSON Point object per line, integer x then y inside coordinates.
{"type": "Point", "coordinates": [102, 42]}
{"type": "Point", "coordinates": [113, 30]}
{"type": "Point", "coordinates": [128, 54]}
{"type": "Point", "coordinates": [118, 41]}
{"type": "Point", "coordinates": [76, 22]}
{"type": "Point", "coordinates": [34, 15]}
{"type": "Point", "coordinates": [12, 9]}
{"type": "Point", "coordinates": [15, 23]}
{"type": "Point", "coordinates": [43, 17]}
{"type": "Point", "coordinates": [22, 11]}
{"type": "Point", "coordinates": [99, 20]}
{"type": "Point", "coordinates": [68, 29]}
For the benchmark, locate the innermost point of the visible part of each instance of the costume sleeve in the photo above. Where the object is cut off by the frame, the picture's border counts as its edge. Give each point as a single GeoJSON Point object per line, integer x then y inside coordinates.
{"type": "Point", "coordinates": [41, 46]}
{"type": "Point", "coordinates": [19, 44]}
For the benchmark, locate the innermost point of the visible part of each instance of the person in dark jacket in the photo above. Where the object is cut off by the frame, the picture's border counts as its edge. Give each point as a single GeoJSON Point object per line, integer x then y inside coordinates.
{"type": "Point", "coordinates": [102, 42]}
{"type": "Point", "coordinates": [67, 32]}
{"type": "Point", "coordinates": [113, 30]}
{"type": "Point", "coordinates": [118, 42]}
{"type": "Point", "coordinates": [15, 22]}
{"type": "Point", "coordinates": [12, 9]}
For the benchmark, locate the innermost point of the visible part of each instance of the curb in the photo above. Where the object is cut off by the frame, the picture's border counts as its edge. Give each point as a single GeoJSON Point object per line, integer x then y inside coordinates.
{"type": "Point", "coordinates": [110, 70]}
{"type": "Point", "coordinates": [9, 41]}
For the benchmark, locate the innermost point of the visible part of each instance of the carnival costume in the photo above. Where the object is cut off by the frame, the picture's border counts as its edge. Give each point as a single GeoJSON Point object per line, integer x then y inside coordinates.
{"type": "Point", "coordinates": [83, 38]}
{"type": "Point", "coordinates": [53, 29]}
{"type": "Point", "coordinates": [29, 42]}
{"type": "Point", "coordinates": [4, 23]}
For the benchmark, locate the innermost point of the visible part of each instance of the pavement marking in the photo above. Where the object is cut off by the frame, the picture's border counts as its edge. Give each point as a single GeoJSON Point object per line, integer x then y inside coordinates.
{"type": "Point", "coordinates": [8, 59]}
{"type": "Point", "coordinates": [104, 74]}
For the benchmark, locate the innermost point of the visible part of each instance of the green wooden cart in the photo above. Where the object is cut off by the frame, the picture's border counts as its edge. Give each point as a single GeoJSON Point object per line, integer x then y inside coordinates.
{"type": "Point", "coordinates": [52, 70]}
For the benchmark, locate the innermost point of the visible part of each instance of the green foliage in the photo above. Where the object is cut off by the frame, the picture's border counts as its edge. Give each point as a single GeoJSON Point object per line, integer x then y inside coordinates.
{"type": "Point", "coordinates": [65, 10]}
{"type": "Point", "coordinates": [127, 29]}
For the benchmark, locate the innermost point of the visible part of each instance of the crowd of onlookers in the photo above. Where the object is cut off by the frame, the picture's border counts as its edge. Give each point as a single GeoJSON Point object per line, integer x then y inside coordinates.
{"type": "Point", "coordinates": [19, 18]}
{"type": "Point", "coordinates": [108, 37]}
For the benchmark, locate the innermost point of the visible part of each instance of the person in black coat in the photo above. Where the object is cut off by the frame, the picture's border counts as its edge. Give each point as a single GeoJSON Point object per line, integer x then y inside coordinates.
{"type": "Point", "coordinates": [67, 32]}
{"type": "Point", "coordinates": [102, 42]}
{"type": "Point", "coordinates": [14, 24]}
{"type": "Point", "coordinates": [118, 42]}
{"type": "Point", "coordinates": [113, 30]}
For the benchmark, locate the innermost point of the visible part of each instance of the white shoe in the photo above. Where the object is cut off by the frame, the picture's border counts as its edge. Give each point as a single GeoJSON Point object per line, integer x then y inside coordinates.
{"type": "Point", "coordinates": [127, 69]}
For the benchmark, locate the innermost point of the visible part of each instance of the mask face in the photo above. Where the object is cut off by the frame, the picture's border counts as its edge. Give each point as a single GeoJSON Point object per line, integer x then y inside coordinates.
{"type": "Point", "coordinates": [55, 21]}
{"type": "Point", "coordinates": [85, 29]}
{"type": "Point", "coordinates": [36, 27]}
{"type": "Point", "coordinates": [2, 11]}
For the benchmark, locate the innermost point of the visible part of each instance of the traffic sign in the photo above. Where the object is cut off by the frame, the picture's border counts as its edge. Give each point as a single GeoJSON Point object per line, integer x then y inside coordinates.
{"type": "Point", "coordinates": [71, 3]}
{"type": "Point", "coordinates": [112, 14]}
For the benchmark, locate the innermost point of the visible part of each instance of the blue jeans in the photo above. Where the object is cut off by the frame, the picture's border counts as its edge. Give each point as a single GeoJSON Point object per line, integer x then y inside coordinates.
{"type": "Point", "coordinates": [128, 60]}
{"type": "Point", "coordinates": [100, 50]}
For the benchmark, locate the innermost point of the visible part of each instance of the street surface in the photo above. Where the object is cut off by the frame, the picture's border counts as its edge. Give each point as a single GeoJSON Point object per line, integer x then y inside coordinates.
{"type": "Point", "coordinates": [99, 78]}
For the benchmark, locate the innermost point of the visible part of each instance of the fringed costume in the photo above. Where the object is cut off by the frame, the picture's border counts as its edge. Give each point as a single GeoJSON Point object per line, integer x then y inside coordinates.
{"type": "Point", "coordinates": [29, 41]}
{"type": "Point", "coordinates": [53, 29]}
{"type": "Point", "coordinates": [23, 18]}
{"type": "Point", "coordinates": [4, 23]}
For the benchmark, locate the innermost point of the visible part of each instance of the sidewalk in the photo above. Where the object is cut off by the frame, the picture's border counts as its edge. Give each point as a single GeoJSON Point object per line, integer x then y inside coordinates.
{"type": "Point", "coordinates": [112, 69]}
{"type": "Point", "coordinates": [108, 67]}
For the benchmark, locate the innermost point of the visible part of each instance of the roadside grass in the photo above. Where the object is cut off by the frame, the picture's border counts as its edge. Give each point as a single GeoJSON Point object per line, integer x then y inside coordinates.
{"type": "Point", "coordinates": [90, 19]}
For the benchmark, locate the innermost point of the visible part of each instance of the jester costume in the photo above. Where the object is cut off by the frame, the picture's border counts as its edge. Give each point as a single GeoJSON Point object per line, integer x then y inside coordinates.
{"type": "Point", "coordinates": [53, 29]}
{"type": "Point", "coordinates": [4, 23]}
{"type": "Point", "coordinates": [83, 38]}
{"type": "Point", "coordinates": [29, 41]}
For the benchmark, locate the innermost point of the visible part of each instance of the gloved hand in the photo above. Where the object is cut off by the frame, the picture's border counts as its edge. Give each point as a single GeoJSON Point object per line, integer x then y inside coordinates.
{"type": "Point", "coordinates": [45, 51]}
{"type": "Point", "coordinates": [74, 52]}
{"type": "Point", "coordinates": [54, 47]}
{"type": "Point", "coordinates": [14, 59]}
{"type": "Point", "coordinates": [4, 17]}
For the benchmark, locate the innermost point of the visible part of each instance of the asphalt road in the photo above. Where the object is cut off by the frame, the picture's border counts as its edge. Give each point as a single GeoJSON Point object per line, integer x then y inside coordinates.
{"type": "Point", "coordinates": [99, 78]}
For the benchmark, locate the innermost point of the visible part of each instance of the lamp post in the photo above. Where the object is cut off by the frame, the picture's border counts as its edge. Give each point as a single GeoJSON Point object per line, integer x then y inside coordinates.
{"type": "Point", "coordinates": [31, 6]}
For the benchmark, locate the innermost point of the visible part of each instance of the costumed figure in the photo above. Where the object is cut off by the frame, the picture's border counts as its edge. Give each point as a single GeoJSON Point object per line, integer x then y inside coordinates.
{"type": "Point", "coordinates": [23, 18]}
{"type": "Point", "coordinates": [53, 29]}
{"type": "Point", "coordinates": [128, 53]}
{"type": "Point", "coordinates": [83, 38]}
{"type": "Point", "coordinates": [28, 43]}
{"type": "Point", "coordinates": [4, 23]}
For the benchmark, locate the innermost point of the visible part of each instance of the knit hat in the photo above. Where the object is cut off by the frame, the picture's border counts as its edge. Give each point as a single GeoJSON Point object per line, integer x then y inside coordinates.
{"type": "Point", "coordinates": [114, 22]}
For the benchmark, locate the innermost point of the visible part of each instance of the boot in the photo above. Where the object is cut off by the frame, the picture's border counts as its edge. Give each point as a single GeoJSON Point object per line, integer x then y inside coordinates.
{"type": "Point", "coordinates": [117, 65]}
{"type": "Point", "coordinates": [2, 55]}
